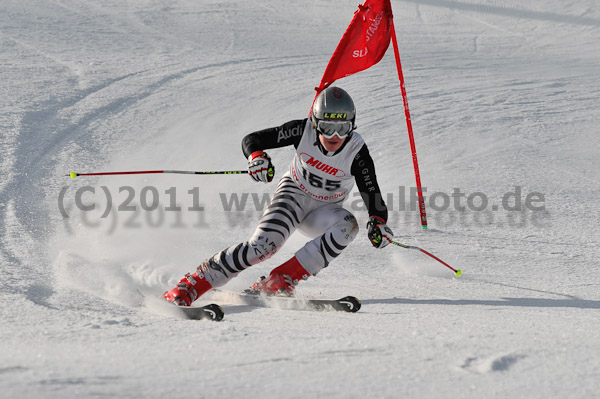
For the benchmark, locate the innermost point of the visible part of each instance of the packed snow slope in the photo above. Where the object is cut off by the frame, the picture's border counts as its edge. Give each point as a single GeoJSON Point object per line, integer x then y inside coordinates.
{"type": "Point", "coordinates": [504, 97]}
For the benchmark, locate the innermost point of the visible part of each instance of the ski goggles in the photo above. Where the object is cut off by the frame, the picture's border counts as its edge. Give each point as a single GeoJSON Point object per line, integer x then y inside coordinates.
{"type": "Point", "coordinates": [331, 128]}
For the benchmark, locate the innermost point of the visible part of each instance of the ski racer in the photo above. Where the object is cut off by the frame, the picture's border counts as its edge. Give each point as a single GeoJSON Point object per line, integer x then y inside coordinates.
{"type": "Point", "coordinates": [330, 157]}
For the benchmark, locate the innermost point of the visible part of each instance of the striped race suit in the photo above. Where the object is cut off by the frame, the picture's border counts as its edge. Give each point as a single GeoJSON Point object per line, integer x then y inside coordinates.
{"type": "Point", "coordinates": [308, 197]}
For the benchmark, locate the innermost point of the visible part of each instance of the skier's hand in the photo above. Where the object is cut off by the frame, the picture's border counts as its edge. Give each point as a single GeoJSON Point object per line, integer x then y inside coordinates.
{"type": "Point", "coordinates": [260, 167]}
{"type": "Point", "coordinates": [378, 232]}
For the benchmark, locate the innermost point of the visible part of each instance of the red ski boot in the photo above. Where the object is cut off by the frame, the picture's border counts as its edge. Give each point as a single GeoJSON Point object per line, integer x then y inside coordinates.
{"type": "Point", "coordinates": [188, 289]}
{"type": "Point", "coordinates": [282, 280]}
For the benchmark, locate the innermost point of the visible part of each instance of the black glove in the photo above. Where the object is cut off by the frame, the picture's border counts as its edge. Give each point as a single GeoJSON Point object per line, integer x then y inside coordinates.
{"type": "Point", "coordinates": [260, 167]}
{"type": "Point", "coordinates": [378, 232]}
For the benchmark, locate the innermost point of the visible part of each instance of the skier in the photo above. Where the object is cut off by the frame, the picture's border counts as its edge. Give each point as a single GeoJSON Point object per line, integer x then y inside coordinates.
{"type": "Point", "coordinates": [329, 157]}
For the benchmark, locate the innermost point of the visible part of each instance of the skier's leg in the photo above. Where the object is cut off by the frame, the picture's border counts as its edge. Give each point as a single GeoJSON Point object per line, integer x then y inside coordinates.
{"type": "Point", "coordinates": [283, 215]}
{"type": "Point", "coordinates": [333, 228]}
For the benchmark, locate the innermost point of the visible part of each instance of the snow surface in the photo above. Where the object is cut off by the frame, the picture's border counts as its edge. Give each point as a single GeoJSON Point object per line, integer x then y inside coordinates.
{"type": "Point", "coordinates": [504, 96]}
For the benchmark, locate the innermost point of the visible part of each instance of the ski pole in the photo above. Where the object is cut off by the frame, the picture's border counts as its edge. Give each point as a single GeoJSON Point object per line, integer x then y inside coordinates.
{"type": "Point", "coordinates": [182, 172]}
{"type": "Point", "coordinates": [457, 272]}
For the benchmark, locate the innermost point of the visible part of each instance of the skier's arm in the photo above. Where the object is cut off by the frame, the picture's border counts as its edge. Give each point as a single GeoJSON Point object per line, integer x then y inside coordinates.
{"type": "Point", "coordinates": [363, 170]}
{"type": "Point", "coordinates": [289, 133]}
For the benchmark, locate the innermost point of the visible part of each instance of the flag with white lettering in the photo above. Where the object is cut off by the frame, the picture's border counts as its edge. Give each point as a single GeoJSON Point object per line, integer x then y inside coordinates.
{"type": "Point", "coordinates": [363, 44]}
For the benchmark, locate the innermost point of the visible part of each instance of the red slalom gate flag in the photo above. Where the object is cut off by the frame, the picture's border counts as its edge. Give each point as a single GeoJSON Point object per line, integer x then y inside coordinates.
{"type": "Point", "coordinates": [363, 44]}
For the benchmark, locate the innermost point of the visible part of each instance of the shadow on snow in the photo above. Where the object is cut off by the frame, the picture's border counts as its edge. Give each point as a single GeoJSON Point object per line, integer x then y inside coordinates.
{"type": "Point", "coordinates": [516, 302]}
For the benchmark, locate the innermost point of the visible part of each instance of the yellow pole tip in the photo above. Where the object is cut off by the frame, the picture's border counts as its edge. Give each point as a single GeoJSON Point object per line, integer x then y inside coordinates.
{"type": "Point", "coordinates": [458, 273]}
{"type": "Point", "coordinates": [73, 175]}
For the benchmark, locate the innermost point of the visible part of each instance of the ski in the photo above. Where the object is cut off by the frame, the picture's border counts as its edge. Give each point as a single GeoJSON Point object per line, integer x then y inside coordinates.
{"type": "Point", "coordinates": [208, 312]}
{"type": "Point", "coordinates": [349, 304]}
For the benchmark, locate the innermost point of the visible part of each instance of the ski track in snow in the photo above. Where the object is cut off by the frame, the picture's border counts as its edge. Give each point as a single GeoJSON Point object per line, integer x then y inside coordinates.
{"type": "Point", "coordinates": [503, 95]}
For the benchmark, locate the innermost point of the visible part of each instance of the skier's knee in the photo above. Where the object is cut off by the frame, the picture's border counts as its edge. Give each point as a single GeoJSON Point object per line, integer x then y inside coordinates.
{"type": "Point", "coordinates": [350, 227]}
